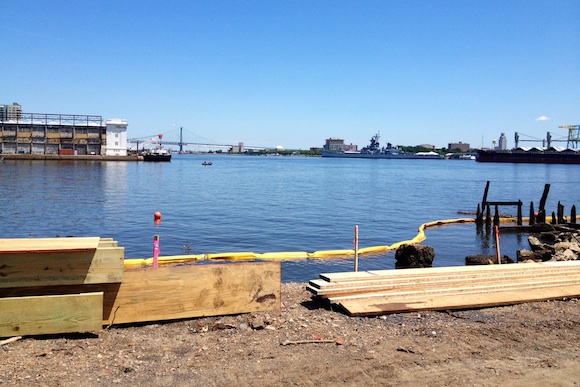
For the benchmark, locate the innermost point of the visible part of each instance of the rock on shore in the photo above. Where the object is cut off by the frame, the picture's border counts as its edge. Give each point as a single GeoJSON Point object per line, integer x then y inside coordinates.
{"type": "Point", "coordinates": [551, 243]}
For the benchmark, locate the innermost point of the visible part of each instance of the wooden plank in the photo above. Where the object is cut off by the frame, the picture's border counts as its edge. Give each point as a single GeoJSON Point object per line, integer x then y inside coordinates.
{"type": "Point", "coordinates": [476, 269]}
{"type": "Point", "coordinates": [370, 289]}
{"type": "Point", "coordinates": [33, 245]}
{"type": "Point", "coordinates": [327, 289]}
{"type": "Point", "coordinates": [175, 292]}
{"type": "Point", "coordinates": [194, 291]}
{"type": "Point", "coordinates": [41, 315]}
{"type": "Point", "coordinates": [102, 265]}
{"type": "Point", "coordinates": [459, 288]}
{"type": "Point", "coordinates": [377, 306]}
{"type": "Point", "coordinates": [334, 288]}
{"type": "Point", "coordinates": [444, 271]}
{"type": "Point", "coordinates": [346, 276]}
{"type": "Point", "coordinates": [108, 242]}
{"type": "Point", "coordinates": [389, 291]}
{"type": "Point", "coordinates": [436, 276]}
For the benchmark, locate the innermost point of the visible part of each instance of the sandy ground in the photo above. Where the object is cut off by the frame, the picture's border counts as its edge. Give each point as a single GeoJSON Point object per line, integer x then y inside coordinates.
{"type": "Point", "coordinates": [308, 343]}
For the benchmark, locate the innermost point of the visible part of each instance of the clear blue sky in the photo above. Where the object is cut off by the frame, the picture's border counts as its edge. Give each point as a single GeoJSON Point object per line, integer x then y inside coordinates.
{"type": "Point", "coordinates": [294, 73]}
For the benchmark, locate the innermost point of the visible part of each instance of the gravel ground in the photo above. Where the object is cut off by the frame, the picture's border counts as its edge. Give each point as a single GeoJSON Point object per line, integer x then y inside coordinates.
{"type": "Point", "coordinates": [308, 343]}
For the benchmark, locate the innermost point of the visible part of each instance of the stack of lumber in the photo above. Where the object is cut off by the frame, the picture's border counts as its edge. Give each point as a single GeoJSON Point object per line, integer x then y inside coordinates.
{"type": "Point", "coordinates": [60, 285]}
{"type": "Point", "coordinates": [33, 270]}
{"type": "Point", "coordinates": [391, 291]}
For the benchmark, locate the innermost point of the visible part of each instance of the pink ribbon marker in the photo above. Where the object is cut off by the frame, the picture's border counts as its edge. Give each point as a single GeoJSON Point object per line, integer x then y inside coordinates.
{"type": "Point", "coordinates": [155, 250]}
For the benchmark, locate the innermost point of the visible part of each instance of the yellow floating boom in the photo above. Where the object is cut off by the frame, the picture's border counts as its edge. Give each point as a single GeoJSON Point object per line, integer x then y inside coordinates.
{"type": "Point", "coordinates": [293, 255]}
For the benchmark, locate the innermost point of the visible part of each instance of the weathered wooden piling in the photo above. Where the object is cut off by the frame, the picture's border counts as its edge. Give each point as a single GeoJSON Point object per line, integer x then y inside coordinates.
{"type": "Point", "coordinates": [541, 218]}
{"type": "Point", "coordinates": [558, 217]}
{"type": "Point", "coordinates": [542, 209]}
{"type": "Point", "coordinates": [479, 216]}
{"type": "Point", "coordinates": [484, 200]}
{"type": "Point", "coordinates": [561, 219]}
{"type": "Point", "coordinates": [487, 216]}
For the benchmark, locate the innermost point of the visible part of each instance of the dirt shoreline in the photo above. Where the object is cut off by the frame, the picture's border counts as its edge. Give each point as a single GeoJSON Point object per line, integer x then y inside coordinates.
{"type": "Point", "coordinates": [308, 343]}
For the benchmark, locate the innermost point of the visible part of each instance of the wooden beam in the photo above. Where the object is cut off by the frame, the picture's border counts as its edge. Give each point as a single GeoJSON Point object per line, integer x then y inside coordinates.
{"type": "Point", "coordinates": [445, 271]}
{"type": "Point", "coordinates": [458, 289]}
{"type": "Point", "coordinates": [424, 285]}
{"type": "Point", "coordinates": [377, 306]}
{"type": "Point", "coordinates": [441, 275]}
{"type": "Point", "coordinates": [37, 245]}
{"type": "Point", "coordinates": [174, 292]}
{"type": "Point", "coordinates": [389, 291]}
{"type": "Point", "coordinates": [178, 292]}
{"type": "Point", "coordinates": [40, 267]}
{"type": "Point", "coordinates": [108, 242]}
{"type": "Point", "coordinates": [41, 315]}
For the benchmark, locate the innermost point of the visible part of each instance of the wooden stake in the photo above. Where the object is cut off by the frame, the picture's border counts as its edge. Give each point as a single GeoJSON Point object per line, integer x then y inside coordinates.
{"type": "Point", "coordinates": [497, 245]}
{"type": "Point", "coordinates": [356, 248]}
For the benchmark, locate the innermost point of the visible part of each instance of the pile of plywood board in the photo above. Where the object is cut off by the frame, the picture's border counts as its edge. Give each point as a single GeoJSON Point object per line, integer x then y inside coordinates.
{"type": "Point", "coordinates": [60, 285]}
{"type": "Point", "coordinates": [404, 290]}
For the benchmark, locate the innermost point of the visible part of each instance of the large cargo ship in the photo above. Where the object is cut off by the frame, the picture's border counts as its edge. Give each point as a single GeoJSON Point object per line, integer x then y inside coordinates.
{"type": "Point", "coordinates": [530, 156]}
{"type": "Point", "coordinates": [374, 151]}
{"type": "Point", "coordinates": [537, 155]}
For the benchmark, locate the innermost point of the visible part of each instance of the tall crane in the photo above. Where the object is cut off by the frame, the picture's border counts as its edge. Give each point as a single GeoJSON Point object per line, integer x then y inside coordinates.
{"type": "Point", "coordinates": [517, 140]}
{"type": "Point", "coordinates": [573, 135]}
{"type": "Point", "coordinates": [572, 141]}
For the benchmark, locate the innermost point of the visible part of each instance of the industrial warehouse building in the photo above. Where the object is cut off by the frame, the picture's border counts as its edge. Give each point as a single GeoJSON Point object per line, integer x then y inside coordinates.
{"type": "Point", "coordinates": [60, 134]}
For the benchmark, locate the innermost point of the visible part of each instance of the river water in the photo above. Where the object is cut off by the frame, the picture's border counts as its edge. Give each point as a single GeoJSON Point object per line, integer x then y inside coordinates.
{"type": "Point", "coordinates": [269, 204]}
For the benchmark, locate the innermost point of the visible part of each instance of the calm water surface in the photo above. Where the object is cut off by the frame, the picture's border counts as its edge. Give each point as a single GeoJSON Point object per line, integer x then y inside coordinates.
{"type": "Point", "coordinates": [265, 204]}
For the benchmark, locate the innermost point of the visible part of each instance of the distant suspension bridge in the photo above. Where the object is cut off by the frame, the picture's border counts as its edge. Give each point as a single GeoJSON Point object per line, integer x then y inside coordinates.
{"type": "Point", "coordinates": [143, 141]}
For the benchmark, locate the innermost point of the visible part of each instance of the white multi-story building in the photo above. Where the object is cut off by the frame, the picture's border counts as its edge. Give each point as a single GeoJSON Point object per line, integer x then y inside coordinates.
{"type": "Point", "coordinates": [116, 137]}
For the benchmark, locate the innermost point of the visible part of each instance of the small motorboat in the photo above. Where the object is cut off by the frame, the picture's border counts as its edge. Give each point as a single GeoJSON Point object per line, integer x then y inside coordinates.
{"type": "Point", "coordinates": [206, 163]}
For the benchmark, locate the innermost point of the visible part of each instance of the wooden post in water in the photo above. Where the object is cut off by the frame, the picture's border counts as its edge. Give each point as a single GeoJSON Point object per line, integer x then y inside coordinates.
{"type": "Point", "coordinates": [553, 218]}
{"type": "Point", "coordinates": [541, 216]}
{"type": "Point", "coordinates": [561, 213]}
{"type": "Point", "coordinates": [519, 212]}
{"type": "Point", "coordinates": [496, 217]}
{"type": "Point", "coordinates": [479, 216]}
{"type": "Point", "coordinates": [573, 215]}
{"type": "Point", "coordinates": [542, 209]}
{"type": "Point", "coordinates": [484, 200]}
{"type": "Point", "coordinates": [488, 216]}
{"type": "Point", "coordinates": [532, 220]}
